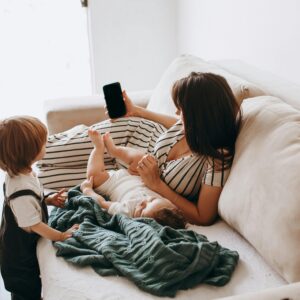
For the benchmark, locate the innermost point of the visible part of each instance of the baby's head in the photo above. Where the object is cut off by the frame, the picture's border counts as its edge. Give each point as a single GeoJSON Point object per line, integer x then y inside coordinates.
{"type": "Point", "coordinates": [22, 142]}
{"type": "Point", "coordinates": [162, 210]}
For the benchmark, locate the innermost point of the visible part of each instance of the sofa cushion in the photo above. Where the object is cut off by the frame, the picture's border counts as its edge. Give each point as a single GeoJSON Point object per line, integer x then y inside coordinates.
{"type": "Point", "coordinates": [182, 66]}
{"type": "Point", "coordinates": [262, 191]}
{"type": "Point", "coordinates": [272, 84]}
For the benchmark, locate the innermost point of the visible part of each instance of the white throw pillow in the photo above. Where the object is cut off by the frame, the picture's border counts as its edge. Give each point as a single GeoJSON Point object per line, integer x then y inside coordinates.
{"type": "Point", "coordinates": [261, 198]}
{"type": "Point", "coordinates": [182, 66]}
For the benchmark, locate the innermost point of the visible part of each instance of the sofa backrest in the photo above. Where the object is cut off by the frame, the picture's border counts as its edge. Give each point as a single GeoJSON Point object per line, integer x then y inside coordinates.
{"type": "Point", "coordinates": [272, 84]}
{"type": "Point", "coordinates": [185, 64]}
{"type": "Point", "coordinates": [262, 191]}
{"type": "Point", "coordinates": [260, 199]}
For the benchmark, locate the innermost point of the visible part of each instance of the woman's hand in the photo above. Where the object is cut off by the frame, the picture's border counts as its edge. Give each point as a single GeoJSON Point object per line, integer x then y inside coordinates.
{"type": "Point", "coordinates": [57, 199]}
{"type": "Point", "coordinates": [87, 185]}
{"type": "Point", "coordinates": [131, 109]}
{"type": "Point", "coordinates": [149, 172]}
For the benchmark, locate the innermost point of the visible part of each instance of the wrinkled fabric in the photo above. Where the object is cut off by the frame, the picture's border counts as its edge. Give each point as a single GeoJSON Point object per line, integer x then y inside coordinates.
{"type": "Point", "coordinates": [159, 260]}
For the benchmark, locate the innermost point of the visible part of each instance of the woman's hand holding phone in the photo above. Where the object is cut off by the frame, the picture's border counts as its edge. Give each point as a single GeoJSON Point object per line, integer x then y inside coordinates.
{"type": "Point", "coordinates": [131, 109]}
{"type": "Point", "coordinates": [114, 100]}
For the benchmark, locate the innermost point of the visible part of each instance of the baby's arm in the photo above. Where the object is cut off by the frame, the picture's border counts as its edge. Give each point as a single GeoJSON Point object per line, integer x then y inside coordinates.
{"type": "Point", "coordinates": [52, 234]}
{"type": "Point", "coordinates": [100, 200]}
{"type": "Point", "coordinates": [87, 189]}
{"type": "Point", "coordinates": [112, 207]}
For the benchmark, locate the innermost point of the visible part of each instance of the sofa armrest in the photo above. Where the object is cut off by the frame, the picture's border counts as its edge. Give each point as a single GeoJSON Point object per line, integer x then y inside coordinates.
{"type": "Point", "coordinates": [285, 292]}
{"type": "Point", "coordinates": [65, 113]}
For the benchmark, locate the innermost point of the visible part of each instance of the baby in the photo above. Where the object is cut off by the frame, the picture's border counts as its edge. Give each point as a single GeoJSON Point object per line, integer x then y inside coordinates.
{"type": "Point", "coordinates": [128, 194]}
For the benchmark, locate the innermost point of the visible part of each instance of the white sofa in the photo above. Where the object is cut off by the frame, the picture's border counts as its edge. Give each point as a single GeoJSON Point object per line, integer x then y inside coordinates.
{"type": "Point", "coordinates": [259, 206]}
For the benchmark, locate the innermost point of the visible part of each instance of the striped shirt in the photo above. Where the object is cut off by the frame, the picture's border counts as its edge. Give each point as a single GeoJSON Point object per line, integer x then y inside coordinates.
{"type": "Point", "coordinates": [186, 174]}
{"type": "Point", "coordinates": [67, 153]}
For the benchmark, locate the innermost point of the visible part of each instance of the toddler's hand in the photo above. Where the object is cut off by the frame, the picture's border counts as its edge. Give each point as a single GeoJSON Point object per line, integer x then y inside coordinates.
{"type": "Point", "coordinates": [67, 234]}
{"type": "Point", "coordinates": [57, 199]}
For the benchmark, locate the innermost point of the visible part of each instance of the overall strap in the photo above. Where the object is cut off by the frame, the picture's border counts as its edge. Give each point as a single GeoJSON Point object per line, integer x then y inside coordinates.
{"type": "Point", "coordinates": [23, 193]}
{"type": "Point", "coordinates": [27, 192]}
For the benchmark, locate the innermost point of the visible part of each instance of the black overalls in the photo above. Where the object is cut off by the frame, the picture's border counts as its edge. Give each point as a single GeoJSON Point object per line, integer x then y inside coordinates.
{"type": "Point", "coordinates": [19, 264]}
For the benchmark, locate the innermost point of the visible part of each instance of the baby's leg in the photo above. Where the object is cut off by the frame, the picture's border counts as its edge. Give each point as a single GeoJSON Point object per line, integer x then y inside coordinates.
{"type": "Point", "coordinates": [126, 154]}
{"type": "Point", "coordinates": [95, 166]}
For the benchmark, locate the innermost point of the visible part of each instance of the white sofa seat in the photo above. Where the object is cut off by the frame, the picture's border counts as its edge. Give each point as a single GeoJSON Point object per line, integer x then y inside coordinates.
{"type": "Point", "coordinates": [252, 274]}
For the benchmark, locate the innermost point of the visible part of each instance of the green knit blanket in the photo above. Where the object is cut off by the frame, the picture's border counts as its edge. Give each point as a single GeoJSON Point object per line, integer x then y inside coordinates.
{"type": "Point", "coordinates": [159, 260]}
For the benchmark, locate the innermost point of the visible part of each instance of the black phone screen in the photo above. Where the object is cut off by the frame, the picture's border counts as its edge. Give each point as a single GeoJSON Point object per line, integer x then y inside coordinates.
{"type": "Point", "coordinates": [114, 100]}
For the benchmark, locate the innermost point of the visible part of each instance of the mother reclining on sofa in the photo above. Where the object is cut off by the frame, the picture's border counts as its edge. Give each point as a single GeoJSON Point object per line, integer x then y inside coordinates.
{"type": "Point", "coordinates": [191, 152]}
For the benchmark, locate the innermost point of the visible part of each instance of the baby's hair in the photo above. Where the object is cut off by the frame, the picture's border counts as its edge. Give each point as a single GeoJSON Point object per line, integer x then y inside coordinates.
{"type": "Point", "coordinates": [21, 140]}
{"type": "Point", "coordinates": [172, 217]}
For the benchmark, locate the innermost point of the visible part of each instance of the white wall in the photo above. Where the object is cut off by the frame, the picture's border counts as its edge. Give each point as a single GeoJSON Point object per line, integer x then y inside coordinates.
{"type": "Point", "coordinates": [44, 54]}
{"type": "Point", "coordinates": [132, 41]}
{"type": "Point", "coordinates": [265, 33]}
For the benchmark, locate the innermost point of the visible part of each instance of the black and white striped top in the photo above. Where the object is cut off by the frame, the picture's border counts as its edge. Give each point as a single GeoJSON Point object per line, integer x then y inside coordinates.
{"type": "Point", "coordinates": [67, 153]}
{"type": "Point", "coordinates": [186, 174]}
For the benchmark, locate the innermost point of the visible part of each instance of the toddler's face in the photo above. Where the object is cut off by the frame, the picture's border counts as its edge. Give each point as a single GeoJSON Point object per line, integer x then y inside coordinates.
{"type": "Point", "coordinates": [149, 206]}
{"type": "Point", "coordinates": [41, 154]}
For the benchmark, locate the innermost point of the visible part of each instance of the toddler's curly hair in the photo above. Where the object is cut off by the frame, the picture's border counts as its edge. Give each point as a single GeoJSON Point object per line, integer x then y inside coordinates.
{"type": "Point", "coordinates": [21, 140]}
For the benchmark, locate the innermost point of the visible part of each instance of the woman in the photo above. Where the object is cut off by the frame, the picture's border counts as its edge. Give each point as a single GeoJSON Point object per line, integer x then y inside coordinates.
{"type": "Point", "coordinates": [192, 158]}
{"type": "Point", "coordinates": [191, 155]}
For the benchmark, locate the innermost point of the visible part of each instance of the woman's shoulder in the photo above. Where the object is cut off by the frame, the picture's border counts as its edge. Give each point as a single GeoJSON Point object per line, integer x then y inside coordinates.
{"type": "Point", "coordinates": [174, 130]}
{"type": "Point", "coordinates": [221, 163]}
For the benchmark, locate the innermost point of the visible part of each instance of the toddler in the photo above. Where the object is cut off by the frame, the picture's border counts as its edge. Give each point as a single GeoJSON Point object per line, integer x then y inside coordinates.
{"type": "Point", "coordinates": [24, 217]}
{"type": "Point", "coordinates": [128, 194]}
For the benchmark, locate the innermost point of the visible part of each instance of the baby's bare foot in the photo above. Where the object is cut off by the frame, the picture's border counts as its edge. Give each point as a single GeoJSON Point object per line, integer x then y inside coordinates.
{"type": "Point", "coordinates": [96, 139]}
{"type": "Point", "coordinates": [109, 144]}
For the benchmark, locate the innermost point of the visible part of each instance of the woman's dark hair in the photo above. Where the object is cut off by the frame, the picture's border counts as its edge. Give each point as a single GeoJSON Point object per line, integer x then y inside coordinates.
{"type": "Point", "coordinates": [210, 113]}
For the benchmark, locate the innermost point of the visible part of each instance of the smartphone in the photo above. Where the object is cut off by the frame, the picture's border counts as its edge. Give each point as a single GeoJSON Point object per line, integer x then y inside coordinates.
{"type": "Point", "coordinates": [114, 100]}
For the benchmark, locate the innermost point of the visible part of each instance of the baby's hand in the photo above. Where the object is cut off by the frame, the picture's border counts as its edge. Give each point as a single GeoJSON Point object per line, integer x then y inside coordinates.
{"type": "Point", "coordinates": [67, 234]}
{"type": "Point", "coordinates": [87, 185]}
{"type": "Point", "coordinates": [132, 169]}
{"type": "Point", "coordinates": [57, 199]}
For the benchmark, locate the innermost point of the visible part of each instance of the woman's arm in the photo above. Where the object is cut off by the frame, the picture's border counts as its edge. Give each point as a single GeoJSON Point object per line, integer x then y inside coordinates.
{"type": "Point", "coordinates": [136, 111]}
{"type": "Point", "coordinates": [202, 213]}
{"type": "Point", "coordinates": [52, 234]}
